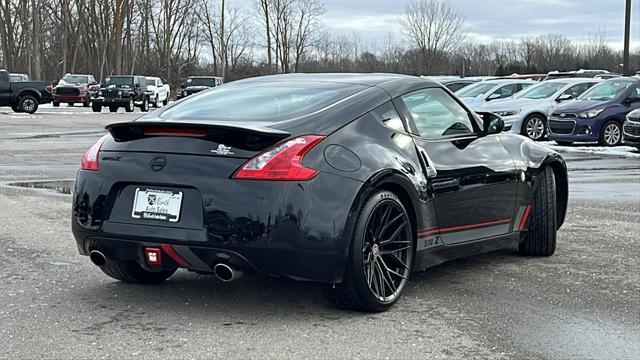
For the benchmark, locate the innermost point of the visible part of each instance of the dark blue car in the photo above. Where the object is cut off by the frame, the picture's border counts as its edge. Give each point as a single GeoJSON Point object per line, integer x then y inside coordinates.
{"type": "Point", "coordinates": [597, 115]}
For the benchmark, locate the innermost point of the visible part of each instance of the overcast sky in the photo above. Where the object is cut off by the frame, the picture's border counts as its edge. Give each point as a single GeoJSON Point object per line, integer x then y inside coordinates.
{"type": "Point", "coordinates": [494, 19]}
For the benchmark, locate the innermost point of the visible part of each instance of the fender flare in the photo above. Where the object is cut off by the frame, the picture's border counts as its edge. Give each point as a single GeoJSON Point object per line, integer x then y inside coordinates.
{"type": "Point", "coordinates": [388, 179]}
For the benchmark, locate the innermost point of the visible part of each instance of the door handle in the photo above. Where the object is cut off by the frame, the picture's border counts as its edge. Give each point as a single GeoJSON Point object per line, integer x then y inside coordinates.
{"type": "Point", "coordinates": [431, 171]}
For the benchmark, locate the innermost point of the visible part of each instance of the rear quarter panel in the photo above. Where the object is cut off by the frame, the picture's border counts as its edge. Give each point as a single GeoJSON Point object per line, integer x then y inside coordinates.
{"type": "Point", "coordinates": [530, 158]}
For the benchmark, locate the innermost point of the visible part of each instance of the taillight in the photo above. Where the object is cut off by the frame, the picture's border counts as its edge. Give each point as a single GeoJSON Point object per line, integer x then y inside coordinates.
{"type": "Point", "coordinates": [281, 162]}
{"type": "Point", "coordinates": [90, 157]}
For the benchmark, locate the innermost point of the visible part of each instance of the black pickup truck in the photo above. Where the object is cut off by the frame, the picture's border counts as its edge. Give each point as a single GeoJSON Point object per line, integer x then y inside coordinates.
{"type": "Point", "coordinates": [23, 96]}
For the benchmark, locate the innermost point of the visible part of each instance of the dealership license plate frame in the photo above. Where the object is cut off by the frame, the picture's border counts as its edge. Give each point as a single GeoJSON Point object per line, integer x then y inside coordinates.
{"type": "Point", "coordinates": [142, 201]}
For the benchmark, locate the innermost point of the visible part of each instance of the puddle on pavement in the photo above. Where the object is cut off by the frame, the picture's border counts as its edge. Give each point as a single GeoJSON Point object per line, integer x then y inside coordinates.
{"type": "Point", "coordinates": [59, 186]}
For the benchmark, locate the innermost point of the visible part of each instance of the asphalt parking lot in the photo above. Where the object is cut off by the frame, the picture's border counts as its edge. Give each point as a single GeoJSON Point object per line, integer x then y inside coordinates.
{"type": "Point", "coordinates": [581, 303]}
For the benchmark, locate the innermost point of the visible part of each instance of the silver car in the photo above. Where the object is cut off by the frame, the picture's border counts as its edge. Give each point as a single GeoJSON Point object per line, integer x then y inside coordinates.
{"type": "Point", "coordinates": [491, 90]}
{"type": "Point", "coordinates": [526, 113]}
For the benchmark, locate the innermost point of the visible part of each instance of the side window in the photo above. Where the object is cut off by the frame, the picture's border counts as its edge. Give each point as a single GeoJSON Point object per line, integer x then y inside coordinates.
{"type": "Point", "coordinates": [436, 114]}
{"type": "Point", "coordinates": [506, 91]}
{"type": "Point", "coordinates": [523, 86]}
{"type": "Point", "coordinates": [576, 90]}
{"type": "Point", "coordinates": [388, 115]}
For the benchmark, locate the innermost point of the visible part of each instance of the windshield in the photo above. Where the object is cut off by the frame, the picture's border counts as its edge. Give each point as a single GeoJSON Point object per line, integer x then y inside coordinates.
{"type": "Point", "coordinates": [119, 81]}
{"type": "Point", "coordinates": [607, 90]}
{"type": "Point", "coordinates": [475, 90]}
{"type": "Point", "coordinates": [201, 82]}
{"type": "Point", "coordinates": [268, 101]}
{"type": "Point", "coordinates": [76, 79]}
{"type": "Point", "coordinates": [541, 91]}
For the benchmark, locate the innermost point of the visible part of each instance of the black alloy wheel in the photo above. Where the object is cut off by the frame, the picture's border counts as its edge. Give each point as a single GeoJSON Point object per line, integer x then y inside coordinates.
{"type": "Point", "coordinates": [28, 104]}
{"type": "Point", "coordinates": [382, 256]}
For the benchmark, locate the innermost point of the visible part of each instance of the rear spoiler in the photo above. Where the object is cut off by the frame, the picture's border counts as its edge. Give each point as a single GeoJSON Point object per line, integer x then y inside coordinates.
{"type": "Point", "coordinates": [132, 130]}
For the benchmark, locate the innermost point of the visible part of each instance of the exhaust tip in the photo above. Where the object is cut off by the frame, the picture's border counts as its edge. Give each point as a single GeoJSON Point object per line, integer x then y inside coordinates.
{"type": "Point", "coordinates": [226, 273]}
{"type": "Point", "coordinates": [97, 258]}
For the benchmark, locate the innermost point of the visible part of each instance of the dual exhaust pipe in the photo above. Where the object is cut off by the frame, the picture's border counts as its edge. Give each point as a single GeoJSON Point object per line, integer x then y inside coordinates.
{"type": "Point", "coordinates": [222, 271]}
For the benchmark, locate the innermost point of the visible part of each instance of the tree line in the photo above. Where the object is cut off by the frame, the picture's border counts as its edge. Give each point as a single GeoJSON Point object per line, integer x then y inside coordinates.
{"type": "Point", "coordinates": [176, 38]}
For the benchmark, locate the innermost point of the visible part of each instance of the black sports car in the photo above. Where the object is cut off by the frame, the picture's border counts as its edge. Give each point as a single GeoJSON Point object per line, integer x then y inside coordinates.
{"type": "Point", "coordinates": [349, 179]}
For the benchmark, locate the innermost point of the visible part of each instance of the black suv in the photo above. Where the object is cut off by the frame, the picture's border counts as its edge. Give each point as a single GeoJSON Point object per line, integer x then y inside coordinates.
{"type": "Point", "coordinates": [126, 91]}
{"type": "Point", "coordinates": [195, 84]}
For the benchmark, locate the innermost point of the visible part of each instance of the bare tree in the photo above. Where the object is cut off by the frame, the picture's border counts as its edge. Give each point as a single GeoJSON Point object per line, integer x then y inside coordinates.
{"type": "Point", "coordinates": [434, 27]}
{"type": "Point", "coordinates": [307, 23]}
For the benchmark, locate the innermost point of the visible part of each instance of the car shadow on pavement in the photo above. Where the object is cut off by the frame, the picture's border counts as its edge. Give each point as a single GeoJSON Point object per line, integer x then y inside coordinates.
{"type": "Point", "coordinates": [189, 294]}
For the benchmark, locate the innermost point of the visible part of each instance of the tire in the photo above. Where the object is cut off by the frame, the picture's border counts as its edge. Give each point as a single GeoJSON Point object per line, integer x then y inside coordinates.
{"type": "Point", "coordinates": [145, 105]}
{"type": "Point", "coordinates": [166, 101]}
{"type": "Point", "coordinates": [28, 104]}
{"type": "Point", "coordinates": [540, 238]}
{"type": "Point", "coordinates": [87, 102]}
{"type": "Point", "coordinates": [132, 272]}
{"type": "Point", "coordinates": [128, 107]}
{"type": "Point", "coordinates": [156, 102]}
{"type": "Point", "coordinates": [366, 286]}
{"type": "Point", "coordinates": [610, 134]}
{"type": "Point", "coordinates": [16, 109]}
{"type": "Point", "coordinates": [56, 104]}
{"type": "Point", "coordinates": [534, 127]}
{"type": "Point", "coordinates": [564, 143]}
{"type": "Point", "coordinates": [96, 108]}
{"type": "Point", "coordinates": [113, 109]}
{"type": "Point", "coordinates": [71, 104]}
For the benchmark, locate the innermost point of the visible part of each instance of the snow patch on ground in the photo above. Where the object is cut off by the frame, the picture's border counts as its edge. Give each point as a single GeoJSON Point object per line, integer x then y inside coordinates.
{"type": "Point", "coordinates": [623, 151]}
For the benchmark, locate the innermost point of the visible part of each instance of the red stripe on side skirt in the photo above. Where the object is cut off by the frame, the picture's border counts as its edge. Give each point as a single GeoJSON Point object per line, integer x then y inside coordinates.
{"type": "Point", "coordinates": [525, 217]}
{"type": "Point", "coordinates": [427, 232]}
{"type": "Point", "coordinates": [174, 255]}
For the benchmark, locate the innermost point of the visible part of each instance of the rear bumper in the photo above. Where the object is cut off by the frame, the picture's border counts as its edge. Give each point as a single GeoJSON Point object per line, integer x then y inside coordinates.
{"type": "Point", "coordinates": [281, 229]}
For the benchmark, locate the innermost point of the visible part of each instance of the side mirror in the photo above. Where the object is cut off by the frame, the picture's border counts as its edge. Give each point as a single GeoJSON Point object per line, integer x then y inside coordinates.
{"type": "Point", "coordinates": [491, 123]}
{"type": "Point", "coordinates": [564, 97]}
{"type": "Point", "coordinates": [632, 99]}
{"type": "Point", "coordinates": [494, 97]}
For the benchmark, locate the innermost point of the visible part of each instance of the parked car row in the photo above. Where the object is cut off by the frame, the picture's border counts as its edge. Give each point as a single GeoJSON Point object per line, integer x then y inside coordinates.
{"type": "Point", "coordinates": [116, 91]}
{"type": "Point", "coordinates": [568, 107]}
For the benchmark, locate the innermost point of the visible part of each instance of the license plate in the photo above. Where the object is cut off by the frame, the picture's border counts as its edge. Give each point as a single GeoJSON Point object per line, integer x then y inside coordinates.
{"type": "Point", "coordinates": [153, 204]}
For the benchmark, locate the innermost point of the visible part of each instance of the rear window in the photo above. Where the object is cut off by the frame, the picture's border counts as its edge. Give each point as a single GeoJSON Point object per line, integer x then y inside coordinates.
{"type": "Point", "coordinates": [260, 101]}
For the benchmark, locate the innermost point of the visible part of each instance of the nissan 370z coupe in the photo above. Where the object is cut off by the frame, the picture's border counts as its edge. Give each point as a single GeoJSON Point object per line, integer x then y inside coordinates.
{"type": "Point", "coordinates": [354, 180]}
